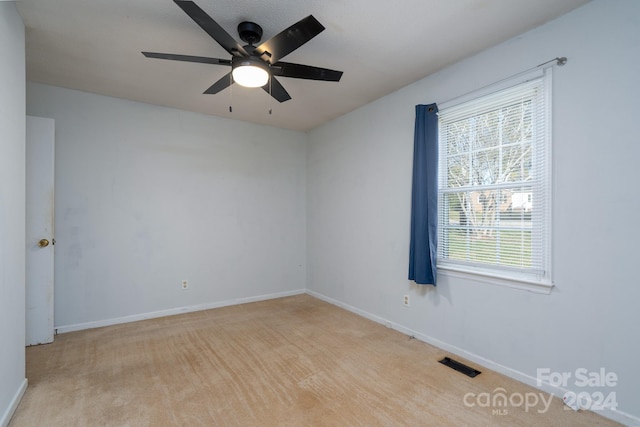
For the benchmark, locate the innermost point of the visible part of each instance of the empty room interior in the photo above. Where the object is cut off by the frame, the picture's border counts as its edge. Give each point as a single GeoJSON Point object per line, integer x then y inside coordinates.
{"type": "Point", "coordinates": [417, 218]}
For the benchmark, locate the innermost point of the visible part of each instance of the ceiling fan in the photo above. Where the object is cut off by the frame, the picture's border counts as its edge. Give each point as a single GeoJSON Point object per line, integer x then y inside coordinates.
{"type": "Point", "coordinates": [251, 65]}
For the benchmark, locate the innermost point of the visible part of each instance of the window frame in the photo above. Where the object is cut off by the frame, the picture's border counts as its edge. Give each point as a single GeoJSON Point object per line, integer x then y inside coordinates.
{"type": "Point", "coordinates": [495, 275]}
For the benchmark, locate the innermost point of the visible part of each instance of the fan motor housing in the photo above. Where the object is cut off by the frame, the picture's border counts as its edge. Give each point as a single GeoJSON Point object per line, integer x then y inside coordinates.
{"type": "Point", "coordinates": [239, 61]}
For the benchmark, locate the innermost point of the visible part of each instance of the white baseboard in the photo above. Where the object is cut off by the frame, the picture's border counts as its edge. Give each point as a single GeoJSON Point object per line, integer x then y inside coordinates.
{"type": "Point", "coordinates": [173, 311]}
{"type": "Point", "coordinates": [6, 417]}
{"type": "Point", "coordinates": [612, 414]}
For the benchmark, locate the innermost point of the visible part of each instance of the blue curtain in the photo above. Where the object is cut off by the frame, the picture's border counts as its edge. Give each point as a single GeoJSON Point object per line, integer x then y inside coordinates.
{"type": "Point", "coordinates": [424, 197]}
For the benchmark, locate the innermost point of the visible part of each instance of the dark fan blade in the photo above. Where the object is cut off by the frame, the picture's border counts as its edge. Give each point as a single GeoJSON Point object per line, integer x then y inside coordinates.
{"type": "Point", "coordinates": [221, 84]}
{"type": "Point", "coordinates": [277, 90]}
{"type": "Point", "coordinates": [187, 58]}
{"type": "Point", "coordinates": [289, 40]}
{"type": "Point", "coordinates": [211, 27]}
{"type": "Point", "coordinates": [298, 71]}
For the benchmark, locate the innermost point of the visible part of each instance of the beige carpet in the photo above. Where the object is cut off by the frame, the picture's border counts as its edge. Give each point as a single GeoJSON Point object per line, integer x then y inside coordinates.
{"type": "Point", "coordinates": [294, 361]}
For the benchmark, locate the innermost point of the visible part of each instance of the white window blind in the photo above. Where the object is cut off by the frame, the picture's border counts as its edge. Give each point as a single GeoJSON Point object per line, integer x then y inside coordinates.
{"type": "Point", "coordinates": [494, 183]}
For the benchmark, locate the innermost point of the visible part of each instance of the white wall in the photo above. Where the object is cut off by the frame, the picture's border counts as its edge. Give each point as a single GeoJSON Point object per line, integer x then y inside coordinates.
{"type": "Point", "coordinates": [359, 179]}
{"type": "Point", "coordinates": [147, 196]}
{"type": "Point", "coordinates": [12, 210]}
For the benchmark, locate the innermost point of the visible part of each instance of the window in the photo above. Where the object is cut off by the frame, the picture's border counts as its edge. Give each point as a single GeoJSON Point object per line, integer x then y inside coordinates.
{"type": "Point", "coordinates": [494, 184]}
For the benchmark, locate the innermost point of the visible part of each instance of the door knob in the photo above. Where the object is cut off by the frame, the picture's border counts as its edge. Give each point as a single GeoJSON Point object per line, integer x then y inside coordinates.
{"type": "Point", "coordinates": [43, 243]}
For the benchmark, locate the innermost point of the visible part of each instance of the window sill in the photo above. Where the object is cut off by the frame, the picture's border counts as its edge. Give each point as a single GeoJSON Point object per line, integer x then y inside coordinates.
{"type": "Point", "coordinates": [538, 287]}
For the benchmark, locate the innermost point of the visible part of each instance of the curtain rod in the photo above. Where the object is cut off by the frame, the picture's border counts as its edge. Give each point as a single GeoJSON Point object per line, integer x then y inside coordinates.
{"type": "Point", "coordinates": [560, 61]}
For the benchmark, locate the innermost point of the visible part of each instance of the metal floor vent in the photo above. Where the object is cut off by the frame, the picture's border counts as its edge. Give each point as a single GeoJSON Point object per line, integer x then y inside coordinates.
{"type": "Point", "coordinates": [460, 367]}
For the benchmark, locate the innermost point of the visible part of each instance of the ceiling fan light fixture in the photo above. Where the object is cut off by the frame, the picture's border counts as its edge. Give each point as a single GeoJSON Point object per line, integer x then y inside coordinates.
{"type": "Point", "coordinates": [250, 64]}
{"type": "Point", "coordinates": [250, 72]}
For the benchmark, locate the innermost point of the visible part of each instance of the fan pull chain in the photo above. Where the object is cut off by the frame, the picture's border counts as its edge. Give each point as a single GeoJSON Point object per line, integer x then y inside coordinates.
{"type": "Point", "coordinates": [270, 94]}
{"type": "Point", "coordinates": [230, 92]}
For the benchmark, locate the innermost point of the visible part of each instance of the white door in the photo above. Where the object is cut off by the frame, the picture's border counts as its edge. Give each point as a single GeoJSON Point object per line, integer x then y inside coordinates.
{"type": "Point", "coordinates": [39, 233]}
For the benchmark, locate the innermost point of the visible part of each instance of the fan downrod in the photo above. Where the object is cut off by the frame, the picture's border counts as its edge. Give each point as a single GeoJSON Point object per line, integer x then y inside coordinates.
{"type": "Point", "coordinates": [250, 32]}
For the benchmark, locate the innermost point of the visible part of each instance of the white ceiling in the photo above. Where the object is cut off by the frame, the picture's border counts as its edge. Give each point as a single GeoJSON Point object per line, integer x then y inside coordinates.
{"type": "Point", "coordinates": [95, 45]}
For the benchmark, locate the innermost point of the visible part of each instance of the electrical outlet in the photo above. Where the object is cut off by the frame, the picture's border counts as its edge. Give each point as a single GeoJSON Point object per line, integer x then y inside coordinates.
{"type": "Point", "coordinates": [405, 301]}
{"type": "Point", "coordinates": [185, 284]}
